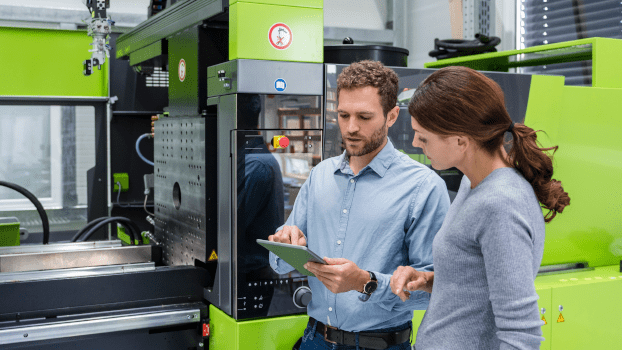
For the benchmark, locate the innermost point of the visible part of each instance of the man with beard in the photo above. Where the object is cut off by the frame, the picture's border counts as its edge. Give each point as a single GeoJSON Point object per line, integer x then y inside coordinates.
{"type": "Point", "coordinates": [367, 212]}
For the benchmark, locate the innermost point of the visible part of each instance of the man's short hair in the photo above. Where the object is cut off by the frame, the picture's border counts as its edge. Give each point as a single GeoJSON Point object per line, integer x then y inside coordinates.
{"type": "Point", "coordinates": [371, 73]}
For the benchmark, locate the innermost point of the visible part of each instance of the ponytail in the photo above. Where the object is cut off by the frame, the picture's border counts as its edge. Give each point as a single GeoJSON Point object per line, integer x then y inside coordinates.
{"type": "Point", "coordinates": [535, 164]}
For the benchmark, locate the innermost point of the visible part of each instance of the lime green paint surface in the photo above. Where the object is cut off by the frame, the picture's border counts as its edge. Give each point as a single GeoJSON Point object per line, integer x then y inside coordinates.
{"type": "Point", "coordinates": [9, 234]}
{"type": "Point", "coordinates": [318, 4]}
{"type": "Point", "coordinates": [125, 238]}
{"type": "Point", "coordinates": [43, 62]}
{"type": "Point", "coordinates": [250, 23]}
{"type": "Point", "coordinates": [544, 302]}
{"type": "Point", "coordinates": [123, 179]}
{"type": "Point", "coordinates": [605, 54]}
{"type": "Point", "coordinates": [278, 333]}
{"type": "Point", "coordinates": [591, 310]}
{"type": "Point", "coordinates": [584, 122]}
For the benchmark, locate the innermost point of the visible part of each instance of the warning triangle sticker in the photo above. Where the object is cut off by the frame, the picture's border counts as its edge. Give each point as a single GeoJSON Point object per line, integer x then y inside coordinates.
{"type": "Point", "coordinates": [560, 318]}
{"type": "Point", "coordinates": [213, 256]}
{"type": "Point", "coordinates": [544, 319]}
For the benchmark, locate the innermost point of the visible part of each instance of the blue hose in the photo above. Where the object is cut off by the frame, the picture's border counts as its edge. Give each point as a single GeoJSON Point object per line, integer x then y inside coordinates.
{"type": "Point", "coordinates": [138, 150]}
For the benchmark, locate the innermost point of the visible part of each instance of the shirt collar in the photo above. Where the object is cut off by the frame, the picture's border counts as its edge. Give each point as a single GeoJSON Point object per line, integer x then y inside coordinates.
{"type": "Point", "coordinates": [380, 164]}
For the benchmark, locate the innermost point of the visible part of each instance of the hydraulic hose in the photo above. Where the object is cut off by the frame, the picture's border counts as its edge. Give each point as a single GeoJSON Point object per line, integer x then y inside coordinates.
{"type": "Point", "coordinates": [132, 230]}
{"type": "Point", "coordinates": [138, 149]}
{"type": "Point", "coordinates": [44, 217]}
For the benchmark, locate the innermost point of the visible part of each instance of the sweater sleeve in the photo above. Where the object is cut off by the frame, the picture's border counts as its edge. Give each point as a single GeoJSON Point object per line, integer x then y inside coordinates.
{"type": "Point", "coordinates": [507, 248]}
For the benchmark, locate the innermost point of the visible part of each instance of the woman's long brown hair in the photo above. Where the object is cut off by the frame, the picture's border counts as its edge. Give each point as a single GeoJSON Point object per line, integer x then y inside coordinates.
{"type": "Point", "coordinates": [461, 101]}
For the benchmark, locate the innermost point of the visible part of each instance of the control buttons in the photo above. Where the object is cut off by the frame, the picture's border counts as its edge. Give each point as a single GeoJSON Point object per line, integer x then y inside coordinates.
{"type": "Point", "coordinates": [280, 141]}
{"type": "Point", "coordinates": [302, 297]}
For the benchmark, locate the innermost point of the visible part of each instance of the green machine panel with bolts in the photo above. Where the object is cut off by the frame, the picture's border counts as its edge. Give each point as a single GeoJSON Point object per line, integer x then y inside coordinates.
{"type": "Point", "coordinates": [44, 62]}
{"type": "Point", "coordinates": [265, 31]}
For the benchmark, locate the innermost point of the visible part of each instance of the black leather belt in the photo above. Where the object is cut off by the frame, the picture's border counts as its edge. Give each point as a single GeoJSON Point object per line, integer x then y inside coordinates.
{"type": "Point", "coordinates": [366, 339]}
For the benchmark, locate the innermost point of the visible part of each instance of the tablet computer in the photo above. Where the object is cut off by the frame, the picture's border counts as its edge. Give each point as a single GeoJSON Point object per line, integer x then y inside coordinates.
{"type": "Point", "coordinates": [294, 255]}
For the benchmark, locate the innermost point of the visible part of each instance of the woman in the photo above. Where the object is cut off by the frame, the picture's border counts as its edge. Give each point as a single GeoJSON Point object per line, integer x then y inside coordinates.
{"type": "Point", "coordinates": [489, 249]}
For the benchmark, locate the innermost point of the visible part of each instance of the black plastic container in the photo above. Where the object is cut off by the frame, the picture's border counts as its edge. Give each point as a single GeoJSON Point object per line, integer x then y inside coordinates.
{"type": "Point", "coordinates": [350, 53]}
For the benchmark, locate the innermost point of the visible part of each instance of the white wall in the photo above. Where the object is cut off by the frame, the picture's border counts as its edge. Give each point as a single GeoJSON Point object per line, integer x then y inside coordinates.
{"type": "Point", "coordinates": [361, 14]}
{"type": "Point", "coordinates": [422, 21]}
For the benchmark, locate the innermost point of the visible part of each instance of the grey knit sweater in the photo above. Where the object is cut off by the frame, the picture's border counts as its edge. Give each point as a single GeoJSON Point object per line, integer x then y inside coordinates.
{"type": "Point", "coordinates": [486, 257]}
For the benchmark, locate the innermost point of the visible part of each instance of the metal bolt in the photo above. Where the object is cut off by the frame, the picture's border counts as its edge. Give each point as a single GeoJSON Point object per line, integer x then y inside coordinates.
{"type": "Point", "coordinates": [189, 316]}
{"type": "Point", "coordinates": [543, 311]}
{"type": "Point", "coordinates": [561, 308]}
{"type": "Point", "coordinates": [200, 345]}
{"type": "Point", "coordinates": [26, 335]}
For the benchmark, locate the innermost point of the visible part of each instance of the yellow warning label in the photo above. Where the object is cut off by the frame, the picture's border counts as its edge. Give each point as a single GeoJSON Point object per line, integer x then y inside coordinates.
{"type": "Point", "coordinates": [560, 318]}
{"type": "Point", "coordinates": [544, 319]}
{"type": "Point", "coordinates": [213, 256]}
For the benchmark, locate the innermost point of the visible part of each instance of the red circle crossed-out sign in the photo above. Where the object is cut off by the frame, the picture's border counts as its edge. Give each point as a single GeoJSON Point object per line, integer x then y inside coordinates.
{"type": "Point", "coordinates": [280, 36]}
{"type": "Point", "coordinates": [181, 71]}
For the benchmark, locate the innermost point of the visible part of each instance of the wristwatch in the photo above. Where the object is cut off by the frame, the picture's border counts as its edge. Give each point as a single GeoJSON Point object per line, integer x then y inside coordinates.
{"type": "Point", "coordinates": [369, 287]}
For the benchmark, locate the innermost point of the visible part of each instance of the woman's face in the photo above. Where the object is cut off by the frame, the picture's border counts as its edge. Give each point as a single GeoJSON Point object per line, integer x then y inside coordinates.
{"type": "Point", "coordinates": [443, 152]}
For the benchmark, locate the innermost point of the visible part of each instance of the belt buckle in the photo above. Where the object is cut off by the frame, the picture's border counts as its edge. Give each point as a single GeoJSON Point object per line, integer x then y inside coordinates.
{"type": "Point", "coordinates": [326, 327]}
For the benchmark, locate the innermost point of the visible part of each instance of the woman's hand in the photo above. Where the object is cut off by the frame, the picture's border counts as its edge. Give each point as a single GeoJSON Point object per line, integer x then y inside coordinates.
{"type": "Point", "coordinates": [406, 279]}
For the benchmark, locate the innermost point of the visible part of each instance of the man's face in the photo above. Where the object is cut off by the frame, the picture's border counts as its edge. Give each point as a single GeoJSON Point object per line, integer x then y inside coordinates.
{"type": "Point", "coordinates": [361, 120]}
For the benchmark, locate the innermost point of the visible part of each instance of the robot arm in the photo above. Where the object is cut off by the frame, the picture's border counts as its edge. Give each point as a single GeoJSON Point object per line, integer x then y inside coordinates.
{"type": "Point", "coordinates": [99, 26]}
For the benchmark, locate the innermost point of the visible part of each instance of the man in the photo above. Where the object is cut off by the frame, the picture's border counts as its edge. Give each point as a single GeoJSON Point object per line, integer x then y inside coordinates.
{"type": "Point", "coordinates": [367, 211]}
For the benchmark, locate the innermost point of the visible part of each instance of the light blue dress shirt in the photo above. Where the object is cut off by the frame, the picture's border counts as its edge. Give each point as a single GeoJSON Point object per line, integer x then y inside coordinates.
{"type": "Point", "coordinates": [382, 218]}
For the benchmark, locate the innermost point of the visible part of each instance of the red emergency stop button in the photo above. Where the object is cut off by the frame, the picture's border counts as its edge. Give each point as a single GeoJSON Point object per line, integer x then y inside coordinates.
{"type": "Point", "coordinates": [280, 141]}
{"type": "Point", "coordinates": [283, 142]}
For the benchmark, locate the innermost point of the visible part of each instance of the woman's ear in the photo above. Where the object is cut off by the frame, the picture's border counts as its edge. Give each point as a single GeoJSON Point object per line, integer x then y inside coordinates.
{"type": "Point", "coordinates": [463, 143]}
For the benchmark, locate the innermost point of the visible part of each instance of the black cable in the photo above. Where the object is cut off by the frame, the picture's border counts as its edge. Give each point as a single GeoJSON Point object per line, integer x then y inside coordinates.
{"type": "Point", "coordinates": [86, 227]}
{"type": "Point", "coordinates": [455, 48]}
{"type": "Point", "coordinates": [44, 217]}
{"type": "Point", "coordinates": [130, 227]}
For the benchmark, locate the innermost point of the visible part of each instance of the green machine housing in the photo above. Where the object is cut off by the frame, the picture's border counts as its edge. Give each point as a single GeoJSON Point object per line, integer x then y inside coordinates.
{"type": "Point", "coordinates": [581, 278]}
{"type": "Point", "coordinates": [185, 39]}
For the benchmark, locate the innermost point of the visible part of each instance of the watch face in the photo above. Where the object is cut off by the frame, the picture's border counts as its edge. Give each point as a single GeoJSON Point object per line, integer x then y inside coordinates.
{"type": "Point", "coordinates": [370, 287]}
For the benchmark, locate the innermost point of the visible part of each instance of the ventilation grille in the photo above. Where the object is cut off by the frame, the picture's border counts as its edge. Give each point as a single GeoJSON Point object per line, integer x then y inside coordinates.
{"type": "Point", "coordinates": [159, 78]}
{"type": "Point", "coordinates": [484, 17]}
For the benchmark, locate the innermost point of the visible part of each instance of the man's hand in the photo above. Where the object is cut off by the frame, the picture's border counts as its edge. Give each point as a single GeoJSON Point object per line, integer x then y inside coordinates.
{"type": "Point", "coordinates": [289, 235]}
{"type": "Point", "coordinates": [340, 275]}
{"type": "Point", "coordinates": [406, 277]}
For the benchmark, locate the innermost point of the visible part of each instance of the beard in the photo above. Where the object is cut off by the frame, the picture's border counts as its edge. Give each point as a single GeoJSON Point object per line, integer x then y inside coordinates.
{"type": "Point", "coordinates": [369, 145]}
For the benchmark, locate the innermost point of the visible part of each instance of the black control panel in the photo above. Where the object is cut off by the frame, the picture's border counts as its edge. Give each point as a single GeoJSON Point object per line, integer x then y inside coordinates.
{"type": "Point", "coordinates": [275, 297]}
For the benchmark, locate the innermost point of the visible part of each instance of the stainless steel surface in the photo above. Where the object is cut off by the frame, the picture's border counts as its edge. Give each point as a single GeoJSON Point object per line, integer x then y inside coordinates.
{"type": "Point", "coordinates": [59, 247]}
{"type": "Point", "coordinates": [10, 277]}
{"type": "Point", "coordinates": [77, 258]}
{"type": "Point", "coordinates": [179, 157]}
{"type": "Point", "coordinates": [221, 295]}
{"type": "Point", "coordinates": [99, 325]}
{"type": "Point", "coordinates": [259, 77]}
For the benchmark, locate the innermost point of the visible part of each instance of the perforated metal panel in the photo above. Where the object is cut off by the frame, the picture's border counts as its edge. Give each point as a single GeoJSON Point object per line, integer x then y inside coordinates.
{"type": "Point", "coordinates": [180, 190]}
